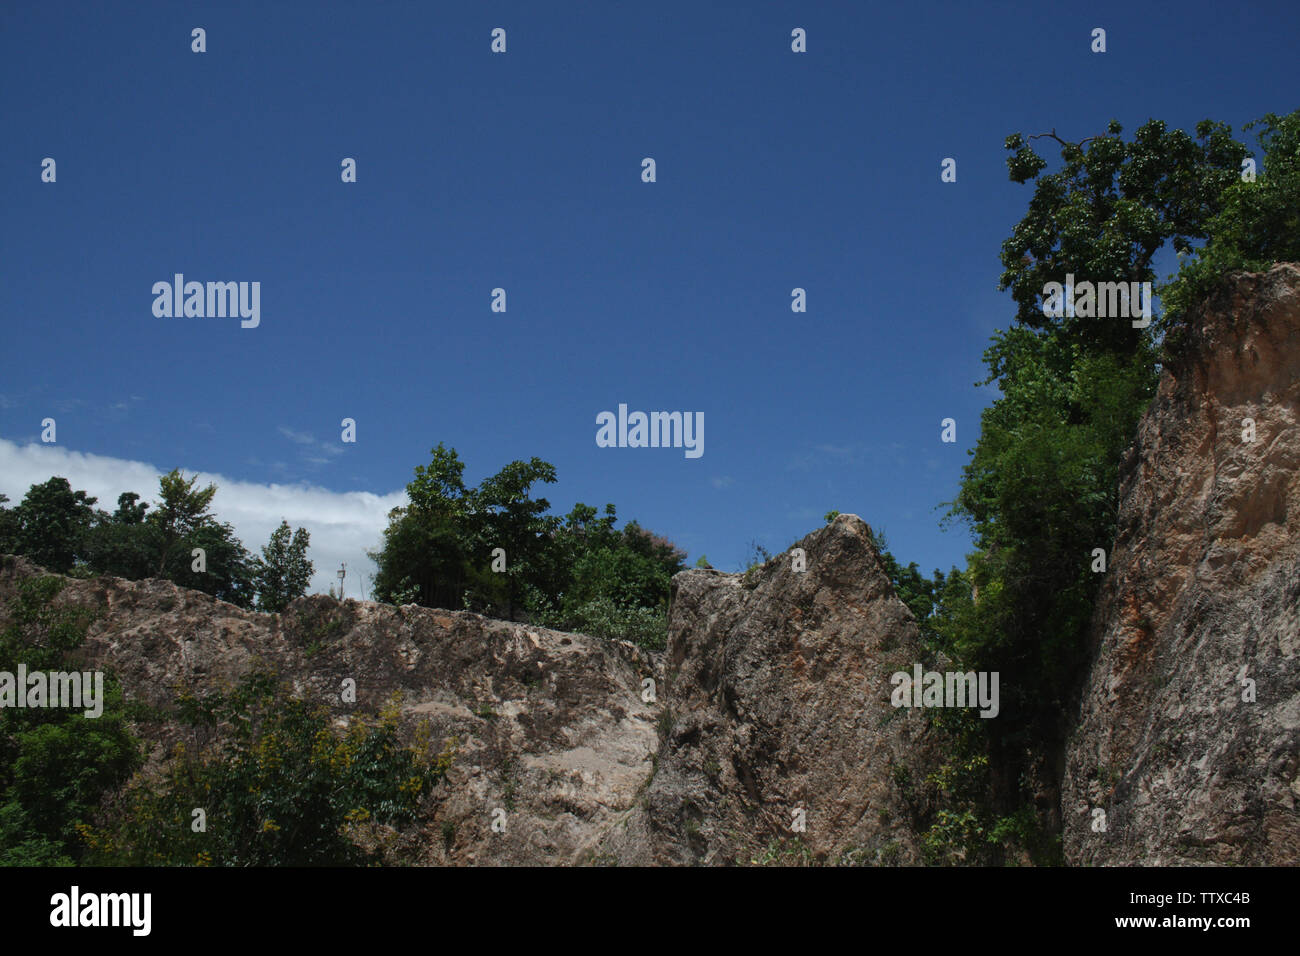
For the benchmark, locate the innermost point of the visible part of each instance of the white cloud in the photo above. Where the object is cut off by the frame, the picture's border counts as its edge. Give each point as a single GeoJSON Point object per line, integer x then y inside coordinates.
{"type": "Point", "coordinates": [343, 525]}
{"type": "Point", "coordinates": [314, 452]}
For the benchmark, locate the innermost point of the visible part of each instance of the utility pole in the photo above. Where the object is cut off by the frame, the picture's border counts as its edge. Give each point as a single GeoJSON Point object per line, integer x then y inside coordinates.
{"type": "Point", "coordinates": [342, 572]}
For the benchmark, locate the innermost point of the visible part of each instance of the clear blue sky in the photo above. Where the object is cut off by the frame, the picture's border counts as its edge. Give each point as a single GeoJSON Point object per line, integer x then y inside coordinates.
{"type": "Point", "coordinates": [775, 170]}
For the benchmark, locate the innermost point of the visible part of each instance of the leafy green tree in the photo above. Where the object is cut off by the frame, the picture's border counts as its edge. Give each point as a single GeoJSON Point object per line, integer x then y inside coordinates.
{"type": "Point", "coordinates": [1041, 488]}
{"type": "Point", "coordinates": [1257, 223]}
{"type": "Point", "coordinates": [179, 524]}
{"type": "Point", "coordinates": [56, 766]}
{"type": "Point", "coordinates": [122, 543]}
{"type": "Point", "coordinates": [8, 528]}
{"type": "Point", "coordinates": [1107, 211]}
{"type": "Point", "coordinates": [914, 589]}
{"type": "Point", "coordinates": [575, 573]}
{"type": "Point", "coordinates": [51, 523]}
{"type": "Point", "coordinates": [182, 510]}
{"type": "Point", "coordinates": [505, 515]}
{"type": "Point", "coordinates": [437, 550]}
{"type": "Point", "coordinates": [609, 583]}
{"type": "Point", "coordinates": [283, 572]}
{"type": "Point", "coordinates": [425, 555]}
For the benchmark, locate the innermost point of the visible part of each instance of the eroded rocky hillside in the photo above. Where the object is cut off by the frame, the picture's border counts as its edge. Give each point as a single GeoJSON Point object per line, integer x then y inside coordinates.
{"type": "Point", "coordinates": [774, 700]}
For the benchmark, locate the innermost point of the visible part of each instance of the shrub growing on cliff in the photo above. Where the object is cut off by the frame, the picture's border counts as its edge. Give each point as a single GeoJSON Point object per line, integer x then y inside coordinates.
{"type": "Point", "coordinates": [56, 765]}
{"type": "Point", "coordinates": [1258, 222]}
{"type": "Point", "coordinates": [279, 786]}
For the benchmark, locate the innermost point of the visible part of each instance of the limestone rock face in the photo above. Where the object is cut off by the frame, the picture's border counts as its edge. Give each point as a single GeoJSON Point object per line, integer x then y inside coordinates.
{"type": "Point", "coordinates": [1201, 608]}
{"type": "Point", "coordinates": [777, 713]}
{"type": "Point", "coordinates": [775, 699]}
{"type": "Point", "coordinates": [549, 727]}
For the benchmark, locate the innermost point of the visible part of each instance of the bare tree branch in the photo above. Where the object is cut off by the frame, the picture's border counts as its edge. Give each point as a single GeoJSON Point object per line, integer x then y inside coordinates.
{"type": "Point", "coordinates": [1052, 134]}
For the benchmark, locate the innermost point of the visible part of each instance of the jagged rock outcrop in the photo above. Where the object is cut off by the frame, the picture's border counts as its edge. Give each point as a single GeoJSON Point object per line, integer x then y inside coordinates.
{"type": "Point", "coordinates": [775, 699]}
{"type": "Point", "coordinates": [778, 701]}
{"type": "Point", "coordinates": [1200, 612]}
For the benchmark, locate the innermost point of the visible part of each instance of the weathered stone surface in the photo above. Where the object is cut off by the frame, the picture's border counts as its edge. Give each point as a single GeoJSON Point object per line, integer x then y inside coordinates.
{"type": "Point", "coordinates": [548, 726]}
{"type": "Point", "coordinates": [777, 700]}
{"type": "Point", "coordinates": [1203, 592]}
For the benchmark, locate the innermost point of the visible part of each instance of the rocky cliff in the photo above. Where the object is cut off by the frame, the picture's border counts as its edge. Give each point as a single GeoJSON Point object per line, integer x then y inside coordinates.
{"type": "Point", "coordinates": [1188, 737]}
{"type": "Point", "coordinates": [779, 740]}
{"type": "Point", "coordinates": [775, 700]}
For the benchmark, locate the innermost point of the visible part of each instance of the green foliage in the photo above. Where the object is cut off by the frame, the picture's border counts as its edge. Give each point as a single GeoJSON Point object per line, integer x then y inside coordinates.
{"type": "Point", "coordinates": [8, 528]}
{"type": "Point", "coordinates": [59, 529]}
{"type": "Point", "coordinates": [50, 524]}
{"type": "Point", "coordinates": [283, 572]}
{"type": "Point", "coordinates": [603, 617]}
{"type": "Point", "coordinates": [607, 582]}
{"type": "Point", "coordinates": [121, 544]}
{"type": "Point", "coordinates": [1257, 223]}
{"type": "Point", "coordinates": [918, 592]}
{"type": "Point", "coordinates": [56, 765]}
{"type": "Point", "coordinates": [578, 573]}
{"type": "Point", "coordinates": [180, 523]}
{"type": "Point", "coordinates": [1041, 488]}
{"type": "Point", "coordinates": [278, 784]}
{"type": "Point", "coordinates": [1107, 211]}
{"type": "Point", "coordinates": [437, 551]}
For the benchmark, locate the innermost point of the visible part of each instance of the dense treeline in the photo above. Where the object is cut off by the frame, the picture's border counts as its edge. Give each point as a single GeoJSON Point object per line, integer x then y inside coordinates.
{"type": "Point", "coordinates": [494, 548]}
{"type": "Point", "coordinates": [179, 540]}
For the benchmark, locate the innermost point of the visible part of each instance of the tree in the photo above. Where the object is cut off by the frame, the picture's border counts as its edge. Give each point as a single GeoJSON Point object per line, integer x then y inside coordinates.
{"type": "Point", "coordinates": [8, 528]}
{"type": "Point", "coordinates": [1258, 222]}
{"type": "Point", "coordinates": [283, 572]}
{"type": "Point", "coordinates": [425, 555]}
{"type": "Point", "coordinates": [122, 543]}
{"type": "Point", "coordinates": [1041, 488]}
{"type": "Point", "coordinates": [56, 766]}
{"type": "Point", "coordinates": [437, 550]}
{"type": "Point", "coordinates": [505, 515]}
{"type": "Point", "coordinates": [577, 573]}
{"type": "Point", "coordinates": [1107, 211]}
{"type": "Point", "coordinates": [607, 582]}
{"type": "Point", "coordinates": [51, 523]}
{"type": "Point", "coordinates": [180, 524]}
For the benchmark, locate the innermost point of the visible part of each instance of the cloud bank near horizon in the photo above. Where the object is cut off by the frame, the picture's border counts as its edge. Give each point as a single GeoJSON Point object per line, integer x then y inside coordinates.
{"type": "Point", "coordinates": [343, 525]}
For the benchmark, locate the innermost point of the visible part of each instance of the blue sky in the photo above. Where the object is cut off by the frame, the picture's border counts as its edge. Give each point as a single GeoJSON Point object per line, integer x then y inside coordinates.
{"type": "Point", "coordinates": [522, 170]}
